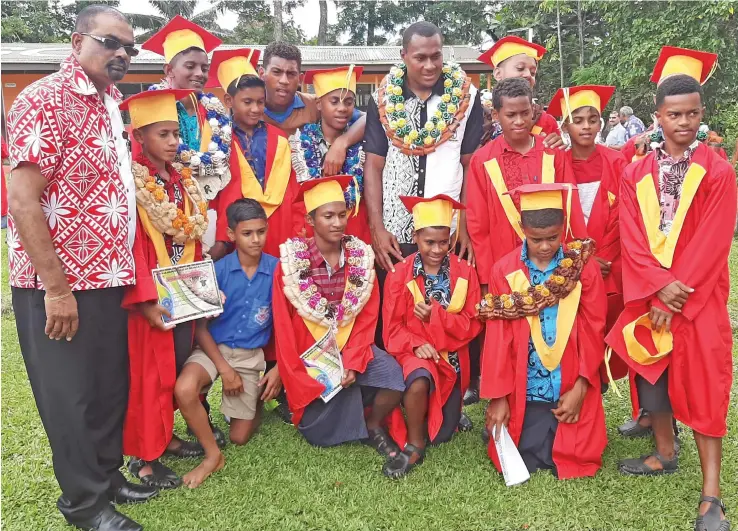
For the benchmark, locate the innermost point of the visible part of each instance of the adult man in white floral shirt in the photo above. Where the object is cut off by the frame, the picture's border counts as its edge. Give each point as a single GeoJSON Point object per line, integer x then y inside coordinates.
{"type": "Point", "coordinates": [69, 230]}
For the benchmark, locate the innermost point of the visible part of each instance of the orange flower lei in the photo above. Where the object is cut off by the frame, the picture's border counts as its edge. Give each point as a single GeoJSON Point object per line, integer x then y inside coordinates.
{"type": "Point", "coordinates": [564, 278]}
{"type": "Point", "coordinates": [163, 214]}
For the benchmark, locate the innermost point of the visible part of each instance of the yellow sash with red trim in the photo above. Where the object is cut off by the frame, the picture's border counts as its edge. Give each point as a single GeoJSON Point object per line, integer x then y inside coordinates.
{"type": "Point", "coordinates": [567, 313]}
{"type": "Point", "coordinates": [271, 196]}
{"type": "Point", "coordinates": [455, 305]}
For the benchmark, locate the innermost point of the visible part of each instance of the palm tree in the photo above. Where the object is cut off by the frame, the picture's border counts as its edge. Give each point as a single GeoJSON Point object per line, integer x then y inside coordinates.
{"type": "Point", "coordinates": [167, 10]}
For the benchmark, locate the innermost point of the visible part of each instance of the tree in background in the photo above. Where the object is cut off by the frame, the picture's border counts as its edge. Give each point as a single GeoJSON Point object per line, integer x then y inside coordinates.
{"type": "Point", "coordinates": [167, 10]}
{"type": "Point", "coordinates": [323, 26]}
{"type": "Point", "coordinates": [257, 22]}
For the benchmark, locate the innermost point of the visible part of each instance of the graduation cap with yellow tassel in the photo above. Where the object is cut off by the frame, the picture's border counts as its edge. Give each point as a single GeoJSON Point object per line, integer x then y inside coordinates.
{"type": "Point", "coordinates": [343, 78]}
{"type": "Point", "coordinates": [153, 106]}
{"type": "Point", "coordinates": [319, 192]}
{"type": "Point", "coordinates": [230, 65]}
{"type": "Point", "coordinates": [178, 35]}
{"type": "Point", "coordinates": [569, 99]}
{"type": "Point", "coordinates": [694, 63]}
{"type": "Point", "coordinates": [511, 46]}
{"type": "Point", "coordinates": [436, 211]}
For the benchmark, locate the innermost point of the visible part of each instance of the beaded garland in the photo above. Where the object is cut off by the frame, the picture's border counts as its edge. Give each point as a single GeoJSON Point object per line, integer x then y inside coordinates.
{"type": "Point", "coordinates": [309, 165]}
{"type": "Point", "coordinates": [215, 161]}
{"type": "Point", "coordinates": [517, 305]}
{"type": "Point", "coordinates": [440, 127]}
{"type": "Point", "coordinates": [301, 290]}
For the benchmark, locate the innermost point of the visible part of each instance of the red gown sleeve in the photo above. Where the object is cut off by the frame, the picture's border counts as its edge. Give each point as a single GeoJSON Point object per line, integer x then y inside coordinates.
{"type": "Point", "coordinates": [357, 352]}
{"type": "Point", "coordinates": [144, 290]}
{"type": "Point", "coordinates": [397, 336]}
{"type": "Point", "coordinates": [703, 260]}
{"type": "Point", "coordinates": [591, 317]}
{"type": "Point", "coordinates": [498, 357]}
{"type": "Point", "coordinates": [643, 275]}
{"type": "Point", "coordinates": [548, 124]}
{"type": "Point", "coordinates": [477, 216]}
{"type": "Point", "coordinates": [300, 387]}
{"type": "Point", "coordinates": [459, 328]}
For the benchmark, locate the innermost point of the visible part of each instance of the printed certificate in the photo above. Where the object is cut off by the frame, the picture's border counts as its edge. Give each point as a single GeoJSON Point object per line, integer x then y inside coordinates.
{"type": "Point", "coordinates": [188, 291]}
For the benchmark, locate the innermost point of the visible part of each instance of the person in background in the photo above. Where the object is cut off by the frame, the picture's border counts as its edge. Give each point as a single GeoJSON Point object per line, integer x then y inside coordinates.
{"type": "Point", "coordinates": [70, 265]}
{"type": "Point", "coordinates": [632, 124]}
{"type": "Point", "coordinates": [616, 136]}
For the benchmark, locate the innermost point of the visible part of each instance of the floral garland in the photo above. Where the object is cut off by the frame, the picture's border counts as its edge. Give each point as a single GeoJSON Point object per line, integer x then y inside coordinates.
{"type": "Point", "coordinates": [517, 305]}
{"type": "Point", "coordinates": [215, 162]}
{"type": "Point", "coordinates": [163, 214]}
{"type": "Point", "coordinates": [440, 127]}
{"type": "Point", "coordinates": [301, 290]}
{"type": "Point", "coordinates": [308, 162]}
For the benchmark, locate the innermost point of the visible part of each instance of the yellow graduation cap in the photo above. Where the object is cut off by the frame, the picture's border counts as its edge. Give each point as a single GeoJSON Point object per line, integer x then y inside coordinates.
{"type": "Point", "coordinates": [436, 211]}
{"type": "Point", "coordinates": [542, 196]}
{"type": "Point", "coordinates": [694, 63]}
{"type": "Point", "coordinates": [319, 192]}
{"type": "Point", "coordinates": [153, 106]}
{"type": "Point", "coordinates": [508, 47]}
{"type": "Point", "coordinates": [229, 65]}
{"type": "Point", "coordinates": [178, 35]}
{"type": "Point", "coordinates": [325, 81]}
{"type": "Point", "coordinates": [569, 99]}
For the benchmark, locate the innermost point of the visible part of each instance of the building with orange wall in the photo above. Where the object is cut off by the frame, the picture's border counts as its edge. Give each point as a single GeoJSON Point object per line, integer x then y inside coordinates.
{"type": "Point", "coordinates": [23, 63]}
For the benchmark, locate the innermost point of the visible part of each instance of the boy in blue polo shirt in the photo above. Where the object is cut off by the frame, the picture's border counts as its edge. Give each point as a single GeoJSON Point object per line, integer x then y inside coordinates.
{"type": "Point", "coordinates": [230, 346]}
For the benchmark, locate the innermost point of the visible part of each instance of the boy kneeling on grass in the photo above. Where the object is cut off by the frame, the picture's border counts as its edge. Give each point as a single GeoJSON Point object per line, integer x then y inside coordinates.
{"type": "Point", "coordinates": [544, 342]}
{"type": "Point", "coordinates": [430, 319]}
{"type": "Point", "coordinates": [230, 346]}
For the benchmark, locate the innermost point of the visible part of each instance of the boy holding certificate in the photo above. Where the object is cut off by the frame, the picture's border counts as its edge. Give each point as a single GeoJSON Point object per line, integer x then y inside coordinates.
{"type": "Point", "coordinates": [230, 346]}
{"type": "Point", "coordinates": [326, 285]}
{"type": "Point", "coordinates": [171, 221]}
{"type": "Point", "coordinates": [429, 319]}
{"type": "Point", "coordinates": [544, 342]}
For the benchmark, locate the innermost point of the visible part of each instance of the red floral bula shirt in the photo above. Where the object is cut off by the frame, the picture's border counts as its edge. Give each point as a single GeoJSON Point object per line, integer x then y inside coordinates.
{"type": "Point", "coordinates": [61, 124]}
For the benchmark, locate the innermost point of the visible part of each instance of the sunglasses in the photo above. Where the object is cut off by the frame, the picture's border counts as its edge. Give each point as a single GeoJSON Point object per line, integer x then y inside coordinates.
{"type": "Point", "coordinates": [113, 45]}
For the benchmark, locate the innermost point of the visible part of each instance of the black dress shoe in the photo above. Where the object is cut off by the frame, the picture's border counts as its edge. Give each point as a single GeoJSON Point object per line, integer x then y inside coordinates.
{"type": "Point", "coordinates": [465, 423]}
{"type": "Point", "coordinates": [132, 493]}
{"type": "Point", "coordinates": [220, 437]}
{"type": "Point", "coordinates": [471, 396]}
{"type": "Point", "coordinates": [109, 520]}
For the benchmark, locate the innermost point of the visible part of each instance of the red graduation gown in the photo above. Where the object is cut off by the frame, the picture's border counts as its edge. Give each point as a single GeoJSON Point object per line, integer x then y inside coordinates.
{"type": "Point", "coordinates": [292, 338]}
{"type": "Point", "coordinates": [578, 447]}
{"type": "Point", "coordinates": [700, 363]}
{"type": "Point", "coordinates": [288, 219]}
{"type": "Point", "coordinates": [450, 332]}
{"type": "Point", "coordinates": [149, 419]}
{"type": "Point", "coordinates": [490, 229]}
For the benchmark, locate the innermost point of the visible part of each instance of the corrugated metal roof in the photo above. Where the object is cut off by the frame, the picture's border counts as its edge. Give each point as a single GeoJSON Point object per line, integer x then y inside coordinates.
{"type": "Point", "coordinates": [36, 54]}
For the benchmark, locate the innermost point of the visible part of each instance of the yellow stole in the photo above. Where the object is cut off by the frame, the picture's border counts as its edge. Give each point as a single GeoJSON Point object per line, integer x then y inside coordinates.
{"type": "Point", "coordinates": [536, 130]}
{"type": "Point", "coordinates": [568, 306]}
{"type": "Point", "coordinates": [663, 340]}
{"type": "Point", "coordinates": [455, 305]}
{"type": "Point", "coordinates": [271, 196]}
{"type": "Point", "coordinates": [548, 176]}
{"type": "Point", "coordinates": [662, 246]}
{"type": "Point", "coordinates": [343, 334]}
{"type": "Point", "coordinates": [157, 238]}
{"type": "Point", "coordinates": [206, 134]}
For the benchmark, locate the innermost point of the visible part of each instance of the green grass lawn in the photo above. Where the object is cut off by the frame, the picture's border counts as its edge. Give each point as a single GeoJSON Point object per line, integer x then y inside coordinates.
{"type": "Point", "coordinates": [279, 482]}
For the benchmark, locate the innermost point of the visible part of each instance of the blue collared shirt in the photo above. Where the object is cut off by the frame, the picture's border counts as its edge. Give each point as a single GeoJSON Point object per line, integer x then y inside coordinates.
{"type": "Point", "coordinates": [254, 148]}
{"type": "Point", "coordinates": [543, 385]}
{"type": "Point", "coordinates": [246, 321]}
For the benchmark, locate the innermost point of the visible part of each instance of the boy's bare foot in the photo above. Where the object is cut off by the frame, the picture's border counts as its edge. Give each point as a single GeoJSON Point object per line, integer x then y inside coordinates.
{"type": "Point", "coordinates": [209, 465]}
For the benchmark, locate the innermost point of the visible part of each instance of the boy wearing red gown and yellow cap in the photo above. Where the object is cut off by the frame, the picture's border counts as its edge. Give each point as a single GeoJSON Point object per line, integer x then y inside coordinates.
{"type": "Point", "coordinates": [260, 163]}
{"type": "Point", "coordinates": [678, 211]}
{"type": "Point", "coordinates": [513, 159]}
{"type": "Point", "coordinates": [515, 57]}
{"type": "Point", "coordinates": [171, 222]}
{"type": "Point", "coordinates": [336, 92]}
{"type": "Point", "coordinates": [544, 342]}
{"type": "Point", "coordinates": [328, 282]}
{"type": "Point", "coordinates": [430, 318]}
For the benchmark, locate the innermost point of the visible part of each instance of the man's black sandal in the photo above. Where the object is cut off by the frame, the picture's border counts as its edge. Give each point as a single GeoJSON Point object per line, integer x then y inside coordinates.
{"type": "Point", "coordinates": [186, 449]}
{"type": "Point", "coordinates": [710, 521]}
{"type": "Point", "coordinates": [382, 443]}
{"type": "Point", "coordinates": [400, 465]}
{"type": "Point", "coordinates": [633, 428]}
{"type": "Point", "coordinates": [220, 437]}
{"type": "Point", "coordinates": [162, 477]}
{"type": "Point", "coordinates": [465, 423]}
{"type": "Point", "coordinates": [638, 466]}
{"type": "Point", "coordinates": [471, 396]}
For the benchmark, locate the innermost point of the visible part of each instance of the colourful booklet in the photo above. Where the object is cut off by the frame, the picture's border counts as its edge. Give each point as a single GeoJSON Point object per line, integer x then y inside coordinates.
{"type": "Point", "coordinates": [323, 363]}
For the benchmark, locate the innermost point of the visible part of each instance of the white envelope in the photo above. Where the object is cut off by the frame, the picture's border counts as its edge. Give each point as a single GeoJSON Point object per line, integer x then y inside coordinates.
{"type": "Point", "coordinates": [513, 467]}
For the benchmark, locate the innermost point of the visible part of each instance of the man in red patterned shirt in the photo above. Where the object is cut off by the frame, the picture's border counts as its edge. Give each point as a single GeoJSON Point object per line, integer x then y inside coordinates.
{"type": "Point", "coordinates": [69, 228]}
